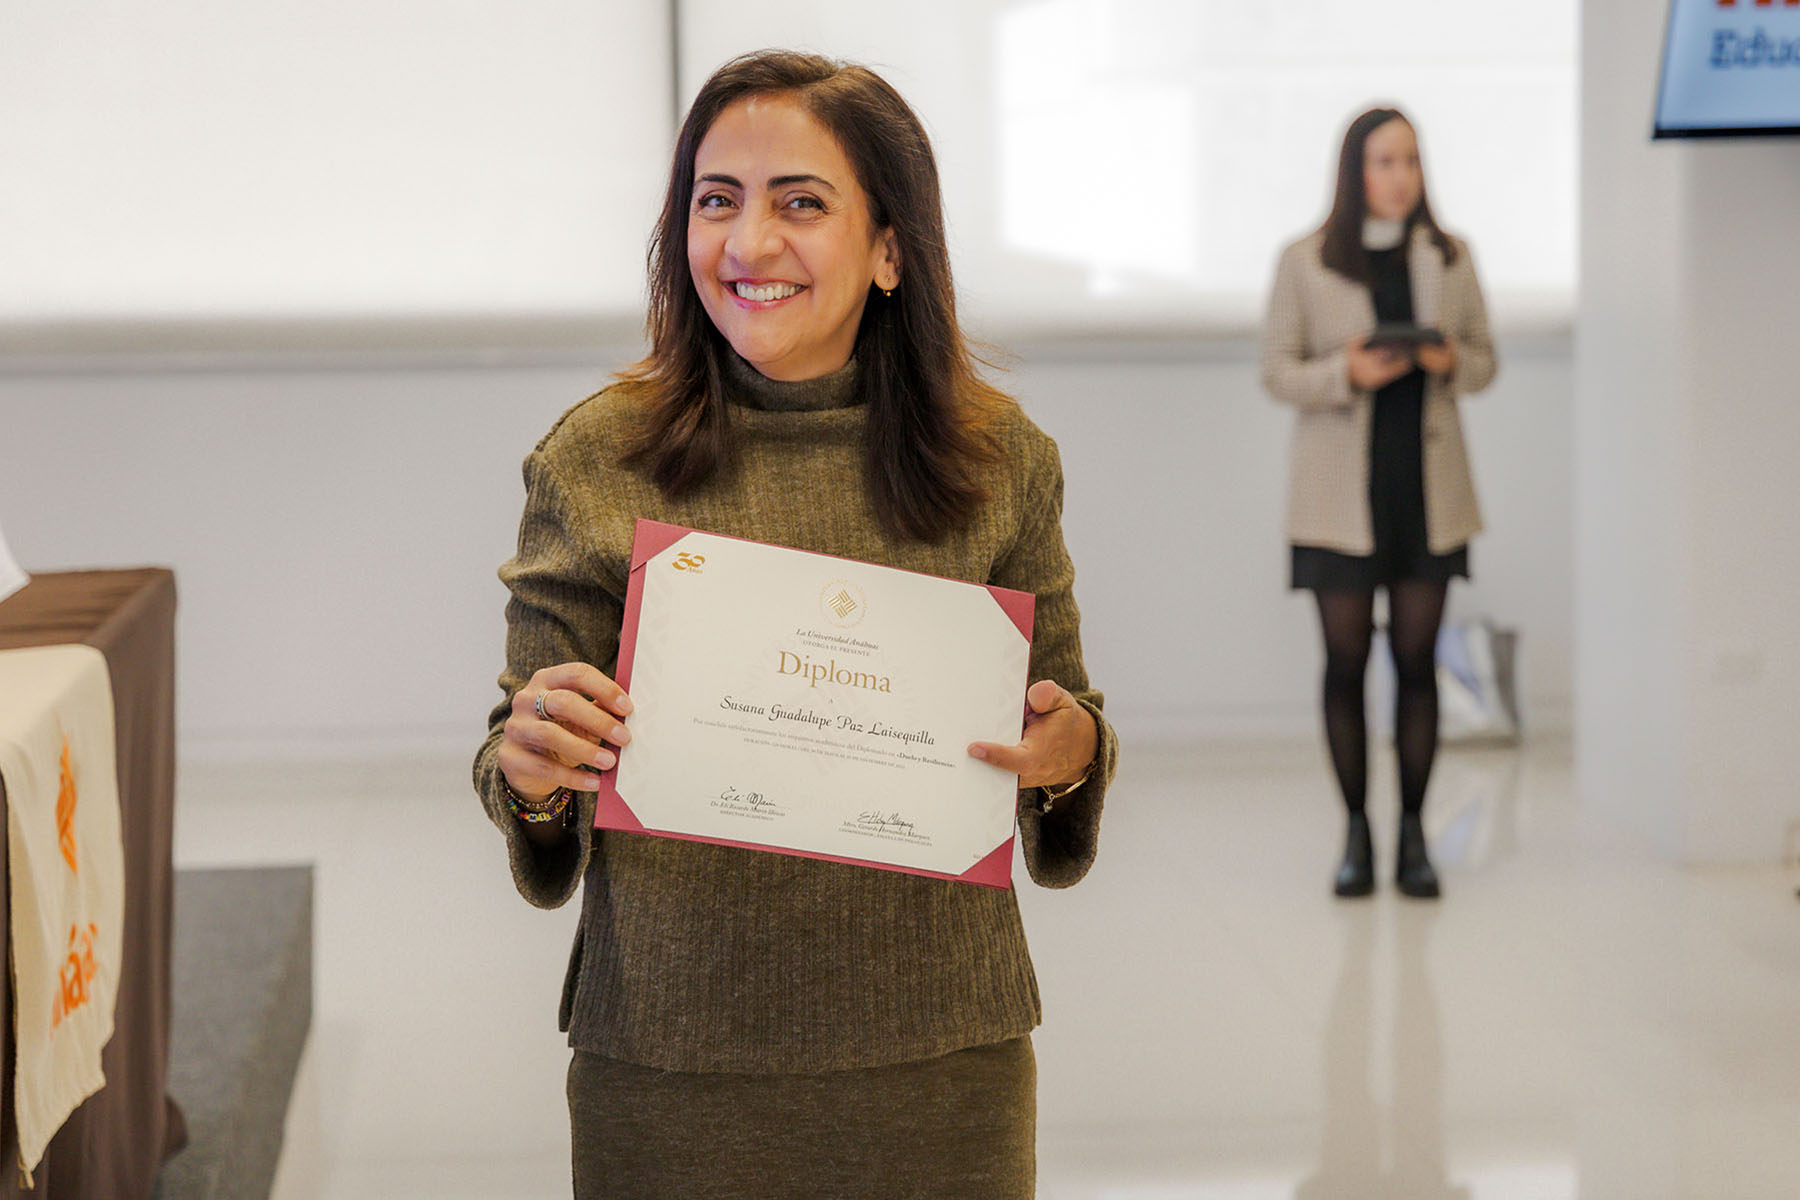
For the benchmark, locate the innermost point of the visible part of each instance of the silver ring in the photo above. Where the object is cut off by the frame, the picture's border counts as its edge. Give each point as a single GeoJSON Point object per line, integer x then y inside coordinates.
{"type": "Point", "coordinates": [539, 705]}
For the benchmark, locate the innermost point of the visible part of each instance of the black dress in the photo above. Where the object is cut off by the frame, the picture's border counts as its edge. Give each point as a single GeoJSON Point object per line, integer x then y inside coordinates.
{"type": "Point", "coordinates": [1396, 471]}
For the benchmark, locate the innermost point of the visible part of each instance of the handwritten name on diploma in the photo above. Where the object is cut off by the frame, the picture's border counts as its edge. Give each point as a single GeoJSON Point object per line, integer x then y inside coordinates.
{"type": "Point", "coordinates": [844, 724]}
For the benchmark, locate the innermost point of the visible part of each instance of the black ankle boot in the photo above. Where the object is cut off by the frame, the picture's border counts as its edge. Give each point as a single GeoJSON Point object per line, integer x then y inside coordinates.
{"type": "Point", "coordinates": [1356, 873]}
{"type": "Point", "coordinates": [1412, 867]}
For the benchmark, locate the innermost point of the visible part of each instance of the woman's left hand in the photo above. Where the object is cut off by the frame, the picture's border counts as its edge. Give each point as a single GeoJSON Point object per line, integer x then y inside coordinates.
{"type": "Point", "coordinates": [1439, 359]}
{"type": "Point", "coordinates": [1059, 744]}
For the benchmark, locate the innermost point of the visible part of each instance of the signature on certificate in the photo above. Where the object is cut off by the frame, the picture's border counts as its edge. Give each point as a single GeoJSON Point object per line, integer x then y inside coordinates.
{"type": "Point", "coordinates": [887, 822]}
{"type": "Point", "coordinates": [750, 799]}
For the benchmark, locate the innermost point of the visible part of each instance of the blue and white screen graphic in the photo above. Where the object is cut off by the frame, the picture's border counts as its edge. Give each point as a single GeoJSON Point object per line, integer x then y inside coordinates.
{"type": "Point", "coordinates": [1730, 67]}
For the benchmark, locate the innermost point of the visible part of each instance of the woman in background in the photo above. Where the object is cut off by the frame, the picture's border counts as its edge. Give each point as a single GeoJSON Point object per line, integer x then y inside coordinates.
{"type": "Point", "coordinates": [1379, 490]}
{"type": "Point", "coordinates": [756, 1024]}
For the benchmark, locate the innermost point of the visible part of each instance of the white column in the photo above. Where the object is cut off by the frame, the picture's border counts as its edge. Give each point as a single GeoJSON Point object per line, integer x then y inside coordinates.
{"type": "Point", "coordinates": [1687, 571]}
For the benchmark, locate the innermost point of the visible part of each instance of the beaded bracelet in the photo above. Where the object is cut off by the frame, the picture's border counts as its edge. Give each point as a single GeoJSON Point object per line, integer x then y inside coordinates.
{"type": "Point", "coordinates": [548, 809]}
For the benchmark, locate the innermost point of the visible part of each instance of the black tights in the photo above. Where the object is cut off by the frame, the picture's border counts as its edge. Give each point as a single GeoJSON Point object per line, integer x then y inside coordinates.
{"type": "Point", "coordinates": [1415, 609]}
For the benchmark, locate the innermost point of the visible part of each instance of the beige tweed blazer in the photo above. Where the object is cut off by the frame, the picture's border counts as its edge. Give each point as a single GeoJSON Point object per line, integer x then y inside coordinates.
{"type": "Point", "coordinates": [1312, 313]}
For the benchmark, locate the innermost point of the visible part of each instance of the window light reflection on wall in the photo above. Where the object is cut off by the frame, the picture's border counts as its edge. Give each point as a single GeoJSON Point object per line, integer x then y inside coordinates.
{"type": "Point", "coordinates": [1157, 154]}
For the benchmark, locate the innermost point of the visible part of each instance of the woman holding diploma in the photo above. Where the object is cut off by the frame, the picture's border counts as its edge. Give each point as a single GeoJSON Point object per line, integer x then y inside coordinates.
{"type": "Point", "coordinates": [748, 1023]}
{"type": "Point", "coordinates": [1375, 326]}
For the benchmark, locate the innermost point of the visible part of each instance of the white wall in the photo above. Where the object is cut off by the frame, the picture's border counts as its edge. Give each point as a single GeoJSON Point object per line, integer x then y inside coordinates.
{"type": "Point", "coordinates": [336, 531]}
{"type": "Point", "coordinates": [1687, 377]}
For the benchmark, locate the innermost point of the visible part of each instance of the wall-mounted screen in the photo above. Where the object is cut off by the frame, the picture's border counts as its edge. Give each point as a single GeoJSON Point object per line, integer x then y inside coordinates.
{"type": "Point", "coordinates": [1730, 68]}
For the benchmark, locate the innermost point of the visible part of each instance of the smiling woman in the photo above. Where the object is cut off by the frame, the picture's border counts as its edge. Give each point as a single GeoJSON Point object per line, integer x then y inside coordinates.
{"type": "Point", "coordinates": [931, 418]}
{"type": "Point", "coordinates": [783, 262]}
{"type": "Point", "coordinates": [755, 1024]}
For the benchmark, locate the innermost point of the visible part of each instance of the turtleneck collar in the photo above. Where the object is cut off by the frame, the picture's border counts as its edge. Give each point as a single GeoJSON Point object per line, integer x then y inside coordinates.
{"type": "Point", "coordinates": [750, 387]}
{"type": "Point", "coordinates": [1381, 233]}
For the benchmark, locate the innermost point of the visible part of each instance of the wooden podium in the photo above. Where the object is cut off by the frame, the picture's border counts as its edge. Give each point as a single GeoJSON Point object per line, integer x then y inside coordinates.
{"type": "Point", "coordinates": [112, 1145]}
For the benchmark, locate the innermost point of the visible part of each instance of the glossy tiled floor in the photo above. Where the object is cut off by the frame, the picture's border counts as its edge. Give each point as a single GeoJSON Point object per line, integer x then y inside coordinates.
{"type": "Point", "coordinates": [1572, 1020]}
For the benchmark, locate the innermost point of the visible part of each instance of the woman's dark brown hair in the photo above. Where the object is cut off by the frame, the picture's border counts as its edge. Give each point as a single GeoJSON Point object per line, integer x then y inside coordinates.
{"type": "Point", "coordinates": [1343, 251]}
{"type": "Point", "coordinates": [927, 405]}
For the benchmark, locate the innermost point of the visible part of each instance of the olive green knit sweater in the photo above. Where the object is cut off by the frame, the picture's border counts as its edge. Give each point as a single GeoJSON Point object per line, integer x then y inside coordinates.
{"type": "Point", "coordinates": [696, 957]}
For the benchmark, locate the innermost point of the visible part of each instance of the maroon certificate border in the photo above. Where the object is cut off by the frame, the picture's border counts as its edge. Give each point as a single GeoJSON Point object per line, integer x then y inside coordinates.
{"type": "Point", "coordinates": [612, 811]}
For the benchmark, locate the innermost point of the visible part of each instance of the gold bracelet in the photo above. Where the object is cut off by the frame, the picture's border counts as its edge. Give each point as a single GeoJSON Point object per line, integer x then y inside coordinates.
{"type": "Point", "coordinates": [1052, 795]}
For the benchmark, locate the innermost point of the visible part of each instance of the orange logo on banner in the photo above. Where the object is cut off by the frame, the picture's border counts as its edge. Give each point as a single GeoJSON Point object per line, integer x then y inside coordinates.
{"type": "Point", "coordinates": [76, 975]}
{"type": "Point", "coordinates": [65, 809]}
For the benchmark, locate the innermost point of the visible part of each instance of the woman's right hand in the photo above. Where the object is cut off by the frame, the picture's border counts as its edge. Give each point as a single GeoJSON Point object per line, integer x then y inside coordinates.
{"type": "Point", "coordinates": [1373, 369]}
{"type": "Point", "coordinates": [586, 710]}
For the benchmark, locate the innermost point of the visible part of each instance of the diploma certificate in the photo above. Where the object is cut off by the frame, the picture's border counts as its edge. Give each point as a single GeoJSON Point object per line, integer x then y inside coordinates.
{"type": "Point", "coordinates": [817, 706]}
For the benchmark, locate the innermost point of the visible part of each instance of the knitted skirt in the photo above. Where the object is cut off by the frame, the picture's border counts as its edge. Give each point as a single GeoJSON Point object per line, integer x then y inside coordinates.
{"type": "Point", "coordinates": [963, 1124]}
